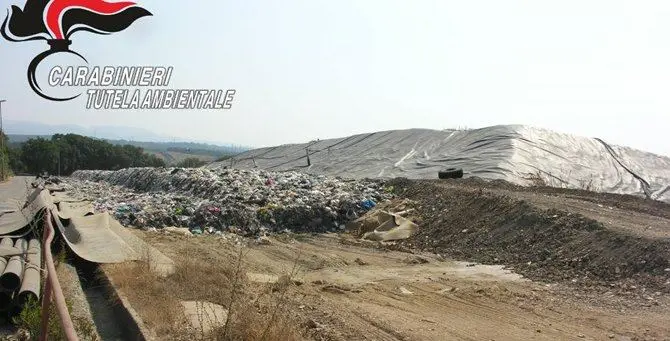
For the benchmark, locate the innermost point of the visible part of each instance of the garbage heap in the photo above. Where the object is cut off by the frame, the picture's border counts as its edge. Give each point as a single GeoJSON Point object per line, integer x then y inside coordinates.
{"type": "Point", "coordinates": [246, 202]}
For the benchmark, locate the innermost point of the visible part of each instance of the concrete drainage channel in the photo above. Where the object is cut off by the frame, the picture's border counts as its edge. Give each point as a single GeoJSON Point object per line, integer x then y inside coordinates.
{"type": "Point", "coordinates": [113, 317]}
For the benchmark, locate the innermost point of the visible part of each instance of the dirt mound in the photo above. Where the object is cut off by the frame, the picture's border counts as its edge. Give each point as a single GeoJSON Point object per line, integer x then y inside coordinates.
{"type": "Point", "coordinates": [469, 222]}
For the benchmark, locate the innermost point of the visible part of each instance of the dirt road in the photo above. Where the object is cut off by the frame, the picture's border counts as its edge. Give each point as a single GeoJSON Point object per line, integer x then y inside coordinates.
{"type": "Point", "coordinates": [356, 292]}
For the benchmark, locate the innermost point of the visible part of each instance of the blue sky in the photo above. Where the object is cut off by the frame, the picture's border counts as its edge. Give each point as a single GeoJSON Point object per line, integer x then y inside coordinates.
{"type": "Point", "coordinates": [317, 69]}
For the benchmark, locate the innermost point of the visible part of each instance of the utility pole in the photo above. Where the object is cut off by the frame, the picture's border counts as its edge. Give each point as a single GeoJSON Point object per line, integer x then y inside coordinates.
{"type": "Point", "coordinates": [2, 139]}
{"type": "Point", "coordinates": [1, 131]}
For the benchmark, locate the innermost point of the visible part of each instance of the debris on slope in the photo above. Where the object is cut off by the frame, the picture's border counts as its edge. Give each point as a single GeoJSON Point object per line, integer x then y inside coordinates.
{"type": "Point", "coordinates": [247, 202]}
{"type": "Point", "coordinates": [387, 222]}
{"type": "Point", "coordinates": [549, 245]}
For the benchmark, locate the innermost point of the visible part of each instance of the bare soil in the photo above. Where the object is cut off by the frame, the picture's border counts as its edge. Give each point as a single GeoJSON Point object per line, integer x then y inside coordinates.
{"type": "Point", "coordinates": [490, 261]}
{"type": "Point", "coordinates": [346, 290]}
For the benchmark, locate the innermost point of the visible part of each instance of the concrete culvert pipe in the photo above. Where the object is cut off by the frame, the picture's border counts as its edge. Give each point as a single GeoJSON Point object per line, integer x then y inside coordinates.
{"type": "Point", "coordinates": [5, 300]}
{"type": "Point", "coordinates": [5, 243]}
{"type": "Point", "coordinates": [30, 286]}
{"type": "Point", "coordinates": [5, 296]}
{"type": "Point", "coordinates": [11, 277]}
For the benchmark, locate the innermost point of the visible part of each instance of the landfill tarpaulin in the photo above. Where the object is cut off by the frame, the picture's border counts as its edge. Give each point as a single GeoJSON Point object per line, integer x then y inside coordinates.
{"type": "Point", "coordinates": [94, 237]}
{"type": "Point", "coordinates": [91, 238]}
{"type": "Point", "coordinates": [14, 217]}
{"type": "Point", "coordinates": [382, 226]}
{"type": "Point", "coordinates": [508, 152]}
{"type": "Point", "coordinates": [68, 210]}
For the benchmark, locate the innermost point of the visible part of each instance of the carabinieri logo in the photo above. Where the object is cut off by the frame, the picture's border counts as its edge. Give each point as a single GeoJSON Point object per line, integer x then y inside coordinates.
{"type": "Point", "coordinates": [56, 20]}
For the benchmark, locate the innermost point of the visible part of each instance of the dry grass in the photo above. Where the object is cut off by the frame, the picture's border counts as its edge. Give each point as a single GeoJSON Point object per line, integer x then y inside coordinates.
{"type": "Point", "coordinates": [254, 312]}
{"type": "Point", "coordinates": [589, 184]}
{"type": "Point", "coordinates": [149, 295]}
{"type": "Point", "coordinates": [535, 179]}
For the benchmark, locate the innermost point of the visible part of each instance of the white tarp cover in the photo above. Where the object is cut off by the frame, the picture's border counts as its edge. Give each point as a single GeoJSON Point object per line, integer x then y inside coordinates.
{"type": "Point", "coordinates": [511, 152]}
{"type": "Point", "coordinates": [19, 205]}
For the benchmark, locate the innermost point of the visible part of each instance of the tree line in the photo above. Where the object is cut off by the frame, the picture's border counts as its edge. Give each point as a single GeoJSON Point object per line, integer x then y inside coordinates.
{"type": "Point", "coordinates": [64, 154]}
{"type": "Point", "coordinates": [4, 157]}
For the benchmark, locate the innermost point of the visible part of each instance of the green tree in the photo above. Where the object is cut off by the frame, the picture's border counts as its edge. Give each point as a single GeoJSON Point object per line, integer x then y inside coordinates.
{"type": "Point", "coordinates": [4, 157]}
{"type": "Point", "coordinates": [15, 163]}
{"type": "Point", "coordinates": [40, 155]}
{"type": "Point", "coordinates": [64, 154]}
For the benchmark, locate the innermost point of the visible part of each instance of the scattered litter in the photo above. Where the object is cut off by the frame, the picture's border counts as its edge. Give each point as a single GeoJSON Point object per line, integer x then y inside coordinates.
{"type": "Point", "coordinates": [264, 240]}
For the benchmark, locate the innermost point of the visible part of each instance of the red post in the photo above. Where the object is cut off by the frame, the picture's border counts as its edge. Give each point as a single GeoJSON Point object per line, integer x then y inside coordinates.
{"type": "Point", "coordinates": [52, 287]}
{"type": "Point", "coordinates": [46, 294]}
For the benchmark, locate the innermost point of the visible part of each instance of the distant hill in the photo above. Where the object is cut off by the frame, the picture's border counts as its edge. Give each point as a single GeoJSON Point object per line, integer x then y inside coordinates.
{"type": "Point", "coordinates": [170, 152]}
{"type": "Point", "coordinates": [111, 133]}
{"type": "Point", "coordinates": [106, 132]}
{"type": "Point", "coordinates": [185, 147]}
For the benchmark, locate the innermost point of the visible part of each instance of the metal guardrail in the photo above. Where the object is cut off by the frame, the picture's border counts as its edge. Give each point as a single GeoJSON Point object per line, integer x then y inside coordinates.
{"type": "Point", "coordinates": [52, 288]}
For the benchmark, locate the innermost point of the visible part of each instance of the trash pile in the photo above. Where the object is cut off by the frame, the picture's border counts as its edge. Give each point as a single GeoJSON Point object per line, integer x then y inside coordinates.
{"type": "Point", "coordinates": [246, 202]}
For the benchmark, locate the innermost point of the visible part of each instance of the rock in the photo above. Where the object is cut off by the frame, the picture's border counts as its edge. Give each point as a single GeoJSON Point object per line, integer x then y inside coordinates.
{"type": "Point", "coordinates": [264, 240]}
{"type": "Point", "coordinates": [178, 230]}
{"type": "Point", "coordinates": [311, 324]}
{"type": "Point", "coordinates": [446, 290]}
{"type": "Point", "coordinates": [204, 316]}
{"type": "Point", "coordinates": [360, 261]}
{"type": "Point", "coordinates": [335, 289]}
{"type": "Point", "coordinates": [415, 260]}
{"type": "Point", "coordinates": [404, 291]}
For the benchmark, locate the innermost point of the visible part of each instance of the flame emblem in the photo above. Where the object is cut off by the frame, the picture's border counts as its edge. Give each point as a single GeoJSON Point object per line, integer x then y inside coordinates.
{"type": "Point", "coordinates": [56, 20]}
